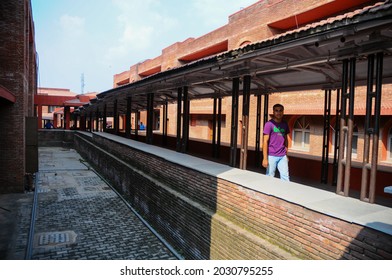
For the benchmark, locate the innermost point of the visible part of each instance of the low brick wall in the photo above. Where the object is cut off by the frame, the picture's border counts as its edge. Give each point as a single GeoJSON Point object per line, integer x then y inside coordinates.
{"type": "Point", "coordinates": [205, 217]}
{"type": "Point", "coordinates": [55, 138]}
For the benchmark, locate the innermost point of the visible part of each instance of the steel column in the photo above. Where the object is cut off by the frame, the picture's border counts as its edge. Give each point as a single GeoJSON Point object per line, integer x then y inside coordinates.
{"type": "Point", "coordinates": [326, 133]}
{"type": "Point", "coordinates": [266, 104]}
{"type": "Point", "coordinates": [128, 118]}
{"type": "Point", "coordinates": [258, 131]}
{"type": "Point", "coordinates": [371, 132]}
{"type": "Point", "coordinates": [245, 122]}
{"type": "Point", "coordinates": [97, 120]}
{"type": "Point", "coordinates": [214, 126]}
{"type": "Point", "coordinates": [346, 127]}
{"type": "Point", "coordinates": [218, 140]}
{"type": "Point", "coordinates": [137, 125]}
{"type": "Point", "coordinates": [265, 119]}
{"type": "Point", "coordinates": [185, 120]}
{"type": "Point", "coordinates": [179, 116]}
{"type": "Point", "coordinates": [234, 121]}
{"type": "Point", "coordinates": [104, 123]}
{"type": "Point", "coordinates": [150, 117]}
{"type": "Point", "coordinates": [90, 122]}
{"type": "Point", "coordinates": [337, 140]}
{"type": "Point", "coordinates": [164, 123]}
{"type": "Point", "coordinates": [115, 117]}
{"type": "Point", "coordinates": [83, 123]}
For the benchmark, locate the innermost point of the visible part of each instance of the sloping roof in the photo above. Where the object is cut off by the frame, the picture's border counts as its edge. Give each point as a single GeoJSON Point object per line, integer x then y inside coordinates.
{"type": "Point", "coordinates": [309, 57]}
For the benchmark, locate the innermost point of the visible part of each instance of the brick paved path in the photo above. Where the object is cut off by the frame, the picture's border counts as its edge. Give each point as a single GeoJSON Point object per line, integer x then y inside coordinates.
{"type": "Point", "coordinates": [80, 217]}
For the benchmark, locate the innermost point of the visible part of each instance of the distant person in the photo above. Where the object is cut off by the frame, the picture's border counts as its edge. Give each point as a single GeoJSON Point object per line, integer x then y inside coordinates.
{"type": "Point", "coordinates": [275, 144]}
{"type": "Point", "coordinates": [142, 126]}
{"type": "Point", "coordinates": [49, 125]}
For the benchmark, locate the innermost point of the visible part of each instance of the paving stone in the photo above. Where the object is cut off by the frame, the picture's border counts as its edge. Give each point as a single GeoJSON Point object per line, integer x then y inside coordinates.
{"type": "Point", "coordinates": [78, 200]}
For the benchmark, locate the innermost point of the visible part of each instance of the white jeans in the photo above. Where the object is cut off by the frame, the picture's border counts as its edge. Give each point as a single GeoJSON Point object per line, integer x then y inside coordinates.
{"type": "Point", "coordinates": [282, 164]}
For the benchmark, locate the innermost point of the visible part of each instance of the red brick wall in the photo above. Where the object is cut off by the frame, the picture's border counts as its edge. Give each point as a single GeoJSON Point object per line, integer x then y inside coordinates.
{"type": "Point", "coordinates": [248, 25]}
{"type": "Point", "coordinates": [210, 218]}
{"type": "Point", "coordinates": [18, 75]}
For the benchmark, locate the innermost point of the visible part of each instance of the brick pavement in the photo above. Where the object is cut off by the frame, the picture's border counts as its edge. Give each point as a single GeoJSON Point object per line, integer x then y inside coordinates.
{"type": "Point", "coordinates": [80, 217]}
{"type": "Point", "coordinates": [15, 217]}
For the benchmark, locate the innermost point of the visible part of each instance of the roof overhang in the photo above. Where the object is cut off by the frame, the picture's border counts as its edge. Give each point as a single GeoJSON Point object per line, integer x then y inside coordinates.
{"type": "Point", "coordinates": [5, 94]}
{"type": "Point", "coordinates": [306, 58]}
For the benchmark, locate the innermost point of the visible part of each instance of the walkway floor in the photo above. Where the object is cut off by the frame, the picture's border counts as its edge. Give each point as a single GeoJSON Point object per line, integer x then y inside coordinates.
{"type": "Point", "coordinates": [78, 217]}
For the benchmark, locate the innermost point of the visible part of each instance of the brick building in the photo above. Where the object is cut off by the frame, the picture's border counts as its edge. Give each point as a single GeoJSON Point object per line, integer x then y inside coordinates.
{"type": "Point", "coordinates": [57, 104]}
{"type": "Point", "coordinates": [18, 84]}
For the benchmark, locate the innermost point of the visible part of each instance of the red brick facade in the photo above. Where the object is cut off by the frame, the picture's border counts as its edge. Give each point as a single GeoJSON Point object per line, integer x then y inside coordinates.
{"type": "Point", "coordinates": [18, 75]}
{"type": "Point", "coordinates": [249, 25]}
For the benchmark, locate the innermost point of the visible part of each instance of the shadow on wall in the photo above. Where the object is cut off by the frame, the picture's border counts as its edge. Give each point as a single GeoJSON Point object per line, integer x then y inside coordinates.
{"type": "Point", "coordinates": [162, 195]}
{"type": "Point", "coordinates": [369, 244]}
{"type": "Point", "coordinates": [198, 214]}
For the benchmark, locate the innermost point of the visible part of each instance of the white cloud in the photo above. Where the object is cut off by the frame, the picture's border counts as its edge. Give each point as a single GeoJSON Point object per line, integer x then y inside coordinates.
{"type": "Point", "coordinates": [108, 36]}
{"type": "Point", "coordinates": [72, 25]}
{"type": "Point", "coordinates": [142, 24]}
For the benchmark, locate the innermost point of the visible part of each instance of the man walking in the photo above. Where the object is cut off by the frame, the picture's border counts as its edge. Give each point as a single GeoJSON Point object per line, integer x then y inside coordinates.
{"type": "Point", "coordinates": [275, 144]}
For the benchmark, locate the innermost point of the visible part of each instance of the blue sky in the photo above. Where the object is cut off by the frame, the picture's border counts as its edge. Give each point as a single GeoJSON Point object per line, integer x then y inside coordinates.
{"type": "Point", "coordinates": [100, 38]}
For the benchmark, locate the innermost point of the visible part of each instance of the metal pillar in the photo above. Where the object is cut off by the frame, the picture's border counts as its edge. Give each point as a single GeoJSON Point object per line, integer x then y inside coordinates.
{"type": "Point", "coordinates": [104, 123]}
{"type": "Point", "coordinates": [179, 122]}
{"type": "Point", "coordinates": [150, 117]}
{"type": "Point", "coordinates": [216, 127]}
{"type": "Point", "coordinates": [128, 118]}
{"type": "Point", "coordinates": [245, 122]}
{"type": "Point", "coordinates": [83, 123]}
{"type": "Point", "coordinates": [218, 140]}
{"type": "Point", "coordinates": [97, 120]}
{"type": "Point", "coordinates": [265, 119]}
{"type": "Point", "coordinates": [372, 128]}
{"type": "Point", "coordinates": [326, 134]}
{"type": "Point", "coordinates": [258, 131]}
{"type": "Point", "coordinates": [234, 121]}
{"type": "Point", "coordinates": [337, 140]}
{"type": "Point", "coordinates": [346, 127]}
{"type": "Point", "coordinates": [115, 118]}
{"type": "Point", "coordinates": [137, 125]}
{"type": "Point", "coordinates": [164, 123]}
{"type": "Point", "coordinates": [185, 121]}
{"type": "Point", "coordinates": [266, 101]}
{"type": "Point", "coordinates": [214, 148]}
{"type": "Point", "coordinates": [90, 122]}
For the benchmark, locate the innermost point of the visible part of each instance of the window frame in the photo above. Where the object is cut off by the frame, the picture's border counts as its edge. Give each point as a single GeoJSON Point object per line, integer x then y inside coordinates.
{"type": "Point", "coordinates": [304, 130]}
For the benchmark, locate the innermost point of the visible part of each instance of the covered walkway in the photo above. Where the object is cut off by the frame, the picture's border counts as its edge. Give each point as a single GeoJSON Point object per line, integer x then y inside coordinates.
{"type": "Point", "coordinates": [339, 53]}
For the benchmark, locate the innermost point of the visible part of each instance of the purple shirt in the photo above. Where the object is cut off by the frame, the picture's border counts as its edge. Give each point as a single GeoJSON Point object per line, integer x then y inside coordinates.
{"type": "Point", "coordinates": [276, 132]}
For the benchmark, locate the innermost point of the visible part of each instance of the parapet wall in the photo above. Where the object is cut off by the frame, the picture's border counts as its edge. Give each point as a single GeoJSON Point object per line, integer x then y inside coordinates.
{"type": "Point", "coordinates": [55, 138]}
{"type": "Point", "coordinates": [206, 217]}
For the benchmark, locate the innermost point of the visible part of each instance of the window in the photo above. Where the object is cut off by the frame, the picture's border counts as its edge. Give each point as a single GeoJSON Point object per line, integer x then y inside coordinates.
{"type": "Point", "coordinates": [51, 109]}
{"type": "Point", "coordinates": [301, 134]}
